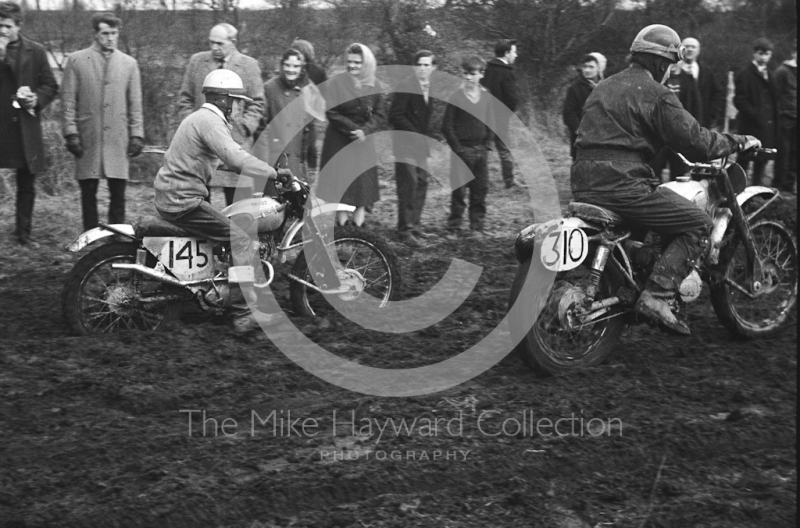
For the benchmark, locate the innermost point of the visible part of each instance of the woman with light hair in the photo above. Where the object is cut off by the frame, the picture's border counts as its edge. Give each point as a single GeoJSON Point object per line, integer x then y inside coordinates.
{"type": "Point", "coordinates": [354, 106]}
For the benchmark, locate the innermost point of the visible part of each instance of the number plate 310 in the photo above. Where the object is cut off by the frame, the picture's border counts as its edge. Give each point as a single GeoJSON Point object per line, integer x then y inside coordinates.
{"type": "Point", "coordinates": [564, 249]}
{"type": "Point", "coordinates": [188, 258]}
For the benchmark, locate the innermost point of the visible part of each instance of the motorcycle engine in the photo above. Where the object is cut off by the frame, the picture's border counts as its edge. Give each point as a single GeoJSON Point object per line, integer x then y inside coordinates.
{"type": "Point", "coordinates": [691, 287]}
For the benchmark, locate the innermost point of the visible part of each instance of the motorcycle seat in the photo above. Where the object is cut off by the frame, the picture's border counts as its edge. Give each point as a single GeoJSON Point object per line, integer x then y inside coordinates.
{"type": "Point", "coordinates": [155, 226]}
{"type": "Point", "coordinates": [595, 213]}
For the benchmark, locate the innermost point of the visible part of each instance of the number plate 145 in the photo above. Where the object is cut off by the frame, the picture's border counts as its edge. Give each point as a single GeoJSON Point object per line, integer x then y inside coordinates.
{"type": "Point", "coordinates": [188, 258]}
{"type": "Point", "coordinates": [564, 249]}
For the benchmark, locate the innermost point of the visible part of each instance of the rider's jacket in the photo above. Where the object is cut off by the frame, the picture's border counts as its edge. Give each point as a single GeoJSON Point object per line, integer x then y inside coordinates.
{"type": "Point", "coordinates": [626, 120]}
{"type": "Point", "coordinates": [202, 140]}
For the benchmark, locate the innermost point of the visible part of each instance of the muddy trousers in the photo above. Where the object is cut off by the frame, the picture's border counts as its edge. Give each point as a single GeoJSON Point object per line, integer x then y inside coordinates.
{"type": "Point", "coordinates": [26, 194]}
{"type": "Point", "coordinates": [670, 215]}
{"type": "Point", "coordinates": [116, 207]}
{"type": "Point", "coordinates": [412, 188]}
{"type": "Point", "coordinates": [786, 163]}
{"type": "Point", "coordinates": [207, 222]}
{"type": "Point", "coordinates": [506, 160]}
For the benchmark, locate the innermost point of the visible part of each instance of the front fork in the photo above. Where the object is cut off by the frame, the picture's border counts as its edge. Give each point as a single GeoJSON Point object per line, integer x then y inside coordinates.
{"type": "Point", "coordinates": [753, 278]}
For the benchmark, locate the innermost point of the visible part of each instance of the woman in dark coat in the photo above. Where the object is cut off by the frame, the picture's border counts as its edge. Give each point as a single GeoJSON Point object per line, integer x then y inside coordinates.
{"type": "Point", "coordinates": [354, 101]}
{"type": "Point", "coordinates": [287, 127]}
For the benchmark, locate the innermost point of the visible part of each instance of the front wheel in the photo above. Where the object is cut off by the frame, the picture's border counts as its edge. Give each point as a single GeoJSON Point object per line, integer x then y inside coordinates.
{"type": "Point", "coordinates": [98, 299]}
{"type": "Point", "coordinates": [747, 317]}
{"type": "Point", "coordinates": [366, 265]}
{"type": "Point", "coordinates": [550, 347]}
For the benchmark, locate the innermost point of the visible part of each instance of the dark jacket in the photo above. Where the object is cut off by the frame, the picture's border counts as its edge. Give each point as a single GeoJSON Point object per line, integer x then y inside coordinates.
{"type": "Point", "coordinates": [712, 98]}
{"type": "Point", "coordinates": [32, 70]}
{"type": "Point", "coordinates": [463, 129]}
{"type": "Point", "coordinates": [634, 115]}
{"type": "Point", "coordinates": [410, 112]}
{"type": "Point", "coordinates": [757, 104]}
{"type": "Point", "coordinates": [786, 89]}
{"type": "Point", "coordinates": [577, 94]}
{"type": "Point", "coordinates": [501, 82]}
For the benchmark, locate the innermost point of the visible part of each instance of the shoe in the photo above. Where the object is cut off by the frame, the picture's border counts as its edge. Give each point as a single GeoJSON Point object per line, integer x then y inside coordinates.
{"type": "Point", "coordinates": [411, 241]}
{"type": "Point", "coordinates": [422, 234]}
{"type": "Point", "coordinates": [26, 240]}
{"type": "Point", "coordinates": [516, 185]}
{"type": "Point", "coordinates": [655, 307]}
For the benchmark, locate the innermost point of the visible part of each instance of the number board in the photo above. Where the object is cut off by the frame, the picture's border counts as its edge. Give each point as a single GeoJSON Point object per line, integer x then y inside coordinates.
{"type": "Point", "coordinates": [188, 258]}
{"type": "Point", "coordinates": [565, 248]}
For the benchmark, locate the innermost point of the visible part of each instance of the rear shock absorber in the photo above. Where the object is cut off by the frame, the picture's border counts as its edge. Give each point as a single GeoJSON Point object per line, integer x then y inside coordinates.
{"type": "Point", "coordinates": [598, 265]}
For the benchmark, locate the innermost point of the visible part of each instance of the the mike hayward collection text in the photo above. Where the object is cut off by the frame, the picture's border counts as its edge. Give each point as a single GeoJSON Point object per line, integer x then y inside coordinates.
{"type": "Point", "coordinates": [490, 423]}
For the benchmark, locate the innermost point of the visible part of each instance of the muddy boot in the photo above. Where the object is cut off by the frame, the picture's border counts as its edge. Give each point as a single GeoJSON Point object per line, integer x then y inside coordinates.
{"type": "Point", "coordinates": [655, 306]}
{"type": "Point", "coordinates": [254, 320]}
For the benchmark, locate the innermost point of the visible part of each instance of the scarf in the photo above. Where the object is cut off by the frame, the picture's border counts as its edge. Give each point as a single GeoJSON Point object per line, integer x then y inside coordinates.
{"type": "Point", "coordinates": [367, 75]}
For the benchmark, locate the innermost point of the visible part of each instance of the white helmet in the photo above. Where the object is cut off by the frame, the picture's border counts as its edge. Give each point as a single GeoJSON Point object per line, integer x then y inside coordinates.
{"type": "Point", "coordinates": [225, 82]}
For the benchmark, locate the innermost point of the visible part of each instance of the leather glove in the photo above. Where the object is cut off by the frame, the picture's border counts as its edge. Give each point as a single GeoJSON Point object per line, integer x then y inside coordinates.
{"type": "Point", "coordinates": [748, 143]}
{"type": "Point", "coordinates": [74, 145]}
{"type": "Point", "coordinates": [284, 178]}
{"type": "Point", "coordinates": [135, 146]}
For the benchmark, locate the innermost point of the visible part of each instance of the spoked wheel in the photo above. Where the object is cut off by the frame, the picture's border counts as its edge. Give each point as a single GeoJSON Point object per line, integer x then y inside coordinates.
{"type": "Point", "coordinates": [98, 299]}
{"type": "Point", "coordinates": [743, 315]}
{"type": "Point", "coordinates": [553, 346]}
{"type": "Point", "coordinates": [368, 268]}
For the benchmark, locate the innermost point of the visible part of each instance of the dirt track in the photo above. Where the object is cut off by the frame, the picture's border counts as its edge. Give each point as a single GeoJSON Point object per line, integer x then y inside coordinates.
{"type": "Point", "coordinates": [689, 432]}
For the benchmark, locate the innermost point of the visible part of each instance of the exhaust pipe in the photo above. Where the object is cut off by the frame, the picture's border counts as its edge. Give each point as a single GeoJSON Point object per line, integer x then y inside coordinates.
{"type": "Point", "coordinates": [158, 275]}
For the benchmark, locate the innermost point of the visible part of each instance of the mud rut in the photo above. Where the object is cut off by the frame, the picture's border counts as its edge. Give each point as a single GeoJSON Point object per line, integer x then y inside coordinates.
{"type": "Point", "coordinates": [92, 433]}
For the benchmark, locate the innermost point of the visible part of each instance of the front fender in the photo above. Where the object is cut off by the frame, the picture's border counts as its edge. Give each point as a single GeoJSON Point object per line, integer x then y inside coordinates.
{"type": "Point", "coordinates": [523, 247]}
{"type": "Point", "coordinates": [751, 192]}
{"type": "Point", "coordinates": [315, 211]}
{"type": "Point", "coordinates": [93, 235]}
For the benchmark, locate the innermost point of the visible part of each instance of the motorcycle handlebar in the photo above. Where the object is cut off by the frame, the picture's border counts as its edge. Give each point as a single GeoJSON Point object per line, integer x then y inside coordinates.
{"type": "Point", "coordinates": [722, 162]}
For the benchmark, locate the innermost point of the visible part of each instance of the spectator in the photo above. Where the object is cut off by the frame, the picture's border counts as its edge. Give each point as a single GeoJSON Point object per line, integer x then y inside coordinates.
{"type": "Point", "coordinates": [352, 121]}
{"type": "Point", "coordinates": [318, 76]}
{"type": "Point", "coordinates": [224, 55]}
{"type": "Point", "coordinates": [288, 135]}
{"type": "Point", "coordinates": [464, 127]}
{"type": "Point", "coordinates": [502, 84]}
{"type": "Point", "coordinates": [786, 88]}
{"type": "Point", "coordinates": [577, 93]}
{"type": "Point", "coordinates": [683, 85]}
{"type": "Point", "coordinates": [411, 112]}
{"type": "Point", "coordinates": [710, 109]}
{"type": "Point", "coordinates": [756, 101]}
{"type": "Point", "coordinates": [31, 85]}
{"type": "Point", "coordinates": [103, 126]}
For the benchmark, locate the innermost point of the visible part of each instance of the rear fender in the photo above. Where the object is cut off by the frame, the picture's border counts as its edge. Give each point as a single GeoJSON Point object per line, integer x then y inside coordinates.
{"type": "Point", "coordinates": [93, 235]}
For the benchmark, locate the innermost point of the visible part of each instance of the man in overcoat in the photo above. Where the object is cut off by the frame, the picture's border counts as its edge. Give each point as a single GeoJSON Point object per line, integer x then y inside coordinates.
{"type": "Point", "coordinates": [710, 111]}
{"type": "Point", "coordinates": [103, 124]}
{"type": "Point", "coordinates": [411, 112]}
{"type": "Point", "coordinates": [27, 86]}
{"type": "Point", "coordinates": [224, 55]}
{"type": "Point", "coordinates": [757, 104]}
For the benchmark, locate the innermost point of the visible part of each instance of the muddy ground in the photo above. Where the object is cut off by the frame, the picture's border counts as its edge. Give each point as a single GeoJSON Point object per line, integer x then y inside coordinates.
{"type": "Point", "coordinates": [696, 431]}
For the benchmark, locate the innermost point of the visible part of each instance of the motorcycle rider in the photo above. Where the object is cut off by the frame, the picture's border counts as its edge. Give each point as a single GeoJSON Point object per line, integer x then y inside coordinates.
{"type": "Point", "coordinates": [627, 119]}
{"type": "Point", "coordinates": [201, 141]}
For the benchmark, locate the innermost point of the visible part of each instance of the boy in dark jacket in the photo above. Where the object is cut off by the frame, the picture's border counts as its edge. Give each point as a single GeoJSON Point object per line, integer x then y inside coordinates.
{"type": "Point", "coordinates": [577, 94]}
{"type": "Point", "coordinates": [465, 129]}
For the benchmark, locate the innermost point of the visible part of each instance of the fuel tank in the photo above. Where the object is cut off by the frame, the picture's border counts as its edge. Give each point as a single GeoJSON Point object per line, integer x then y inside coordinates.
{"type": "Point", "coordinates": [694, 191]}
{"type": "Point", "coordinates": [267, 211]}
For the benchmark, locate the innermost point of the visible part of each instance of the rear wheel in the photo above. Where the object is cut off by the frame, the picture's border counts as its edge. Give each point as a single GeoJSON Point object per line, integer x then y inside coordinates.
{"type": "Point", "coordinates": [98, 299]}
{"type": "Point", "coordinates": [747, 317]}
{"type": "Point", "coordinates": [367, 265]}
{"type": "Point", "coordinates": [550, 347]}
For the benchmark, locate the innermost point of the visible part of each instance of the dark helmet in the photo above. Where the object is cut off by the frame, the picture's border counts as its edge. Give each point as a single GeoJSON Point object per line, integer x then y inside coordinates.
{"type": "Point", "coordinates": [660, 40]}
